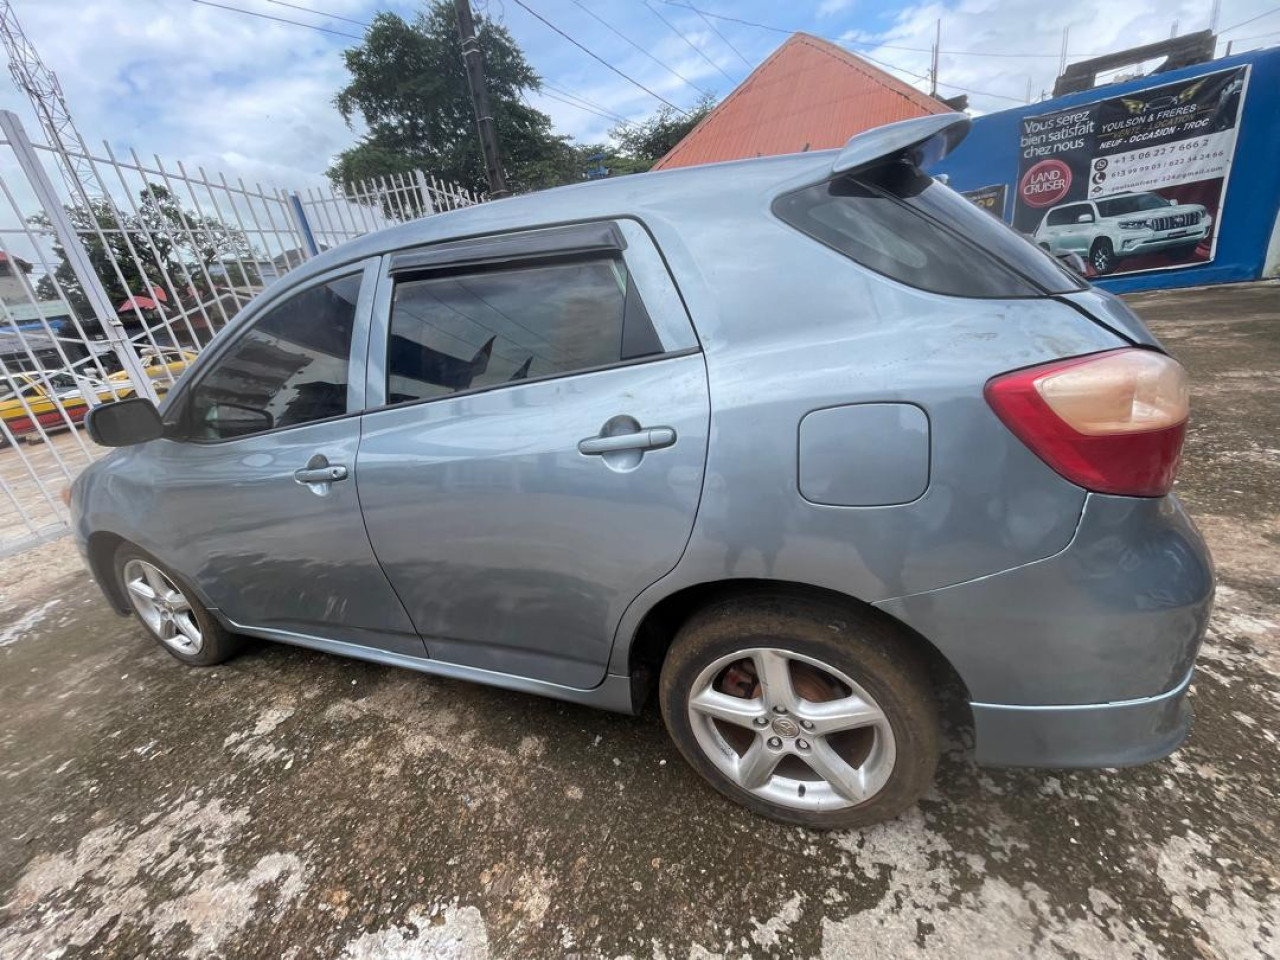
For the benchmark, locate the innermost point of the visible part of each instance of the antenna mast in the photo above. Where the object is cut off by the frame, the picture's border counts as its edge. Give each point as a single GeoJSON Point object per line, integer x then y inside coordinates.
{"type": "Point", "coordinates": [38, 82]}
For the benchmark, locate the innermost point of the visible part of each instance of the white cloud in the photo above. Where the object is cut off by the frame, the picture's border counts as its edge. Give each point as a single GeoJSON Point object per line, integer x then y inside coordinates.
{"type": "Point", "coordinates": [829, 8]}
{"type": "Point", "coordinates": [253, 98]}
{"type": "Point", "coordinates": [994, 29]}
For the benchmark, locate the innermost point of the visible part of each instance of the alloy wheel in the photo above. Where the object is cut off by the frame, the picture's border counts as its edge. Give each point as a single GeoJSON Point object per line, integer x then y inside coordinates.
{"type": "Point", "coordinates": [163, 607]}
{"type": "Point", "coordinates": [791, 729]}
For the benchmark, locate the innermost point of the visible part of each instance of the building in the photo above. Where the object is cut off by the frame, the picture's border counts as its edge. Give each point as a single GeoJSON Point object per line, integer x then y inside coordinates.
{"type": "Point", "coordinates": [808, 95]}
{"type": "Point", "coordinates": [21, 305]}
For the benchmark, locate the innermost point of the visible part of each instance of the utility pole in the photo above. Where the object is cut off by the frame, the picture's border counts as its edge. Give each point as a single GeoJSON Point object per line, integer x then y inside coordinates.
{"type": "Point", "coordinates": [480, 99]}
{"type": "Point", "coordinates": [1062, 60]}
{"type": "Point", "coordinates": [933, 73]}
{"type": "Point", "coordinates": [1213, 15]}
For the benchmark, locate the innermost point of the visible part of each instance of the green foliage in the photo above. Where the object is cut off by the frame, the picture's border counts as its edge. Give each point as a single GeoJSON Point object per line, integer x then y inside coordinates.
{"type": "Point", "coordinates": [160, 238]}
{"type": "Point", "coordinates": [409, 85]}
{"type": "Point", "coordinates": [641, 145]}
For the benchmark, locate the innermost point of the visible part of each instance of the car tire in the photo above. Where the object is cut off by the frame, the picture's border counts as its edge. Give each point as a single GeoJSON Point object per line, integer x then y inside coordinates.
{"type": "Point", "coordinates": [170, 610]}
{"type": "Point", "coordinates": [843, 666]}
{"type": "Point", "coordinates": [1102, 256]}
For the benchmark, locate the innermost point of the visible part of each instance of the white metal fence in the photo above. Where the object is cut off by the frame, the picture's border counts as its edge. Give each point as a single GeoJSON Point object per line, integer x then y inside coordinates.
{"type": "Point", "coordinates": [109, 287]}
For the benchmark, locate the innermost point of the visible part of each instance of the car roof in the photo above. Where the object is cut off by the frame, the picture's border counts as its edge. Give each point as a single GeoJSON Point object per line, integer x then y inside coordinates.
{"type": "Point", "coordinates": [682, 193]}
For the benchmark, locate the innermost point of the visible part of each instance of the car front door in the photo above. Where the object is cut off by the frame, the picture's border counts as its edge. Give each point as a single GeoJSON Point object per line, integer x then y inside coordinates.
{"type": "Point", "coordinates": [256, 502]}
{"type": "Point", "coordinates": [539, 455]}
{"type": "Point", "coordinates": [1080, 235]}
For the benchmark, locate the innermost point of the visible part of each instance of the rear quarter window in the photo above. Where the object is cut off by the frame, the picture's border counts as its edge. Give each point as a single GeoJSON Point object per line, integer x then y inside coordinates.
{"type": "Point", "coordinates": [905, 225]}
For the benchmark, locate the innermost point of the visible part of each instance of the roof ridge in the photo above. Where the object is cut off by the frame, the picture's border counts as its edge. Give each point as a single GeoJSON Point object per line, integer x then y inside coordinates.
{"type": "Point", "coordinates": [733, 95]}
{"type": "Point", "coordinates": [867, 71]}
{"type": "Point", "coordinates": [867, 68]}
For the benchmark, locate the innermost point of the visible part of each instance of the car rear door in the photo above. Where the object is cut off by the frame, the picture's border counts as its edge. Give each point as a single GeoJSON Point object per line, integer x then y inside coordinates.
{"type": "Point", "coordinates": [538, 457]}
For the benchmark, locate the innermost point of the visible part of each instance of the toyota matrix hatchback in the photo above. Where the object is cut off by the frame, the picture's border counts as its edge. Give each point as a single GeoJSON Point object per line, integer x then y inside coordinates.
{"type": "Point", "coordinates": [799, 442]}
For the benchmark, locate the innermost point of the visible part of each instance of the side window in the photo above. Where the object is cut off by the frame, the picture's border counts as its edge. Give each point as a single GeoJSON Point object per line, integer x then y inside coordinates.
{"type": "Point", "coordinates": [1062, 215]}
{"type": "Point", "coordinates": [466, 330]}
{"type": "Point", "coordinates": [288, 369]}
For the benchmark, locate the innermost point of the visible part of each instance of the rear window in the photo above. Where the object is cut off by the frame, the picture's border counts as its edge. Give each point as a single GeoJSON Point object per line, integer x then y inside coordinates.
{"type": "Point", "coordinates": [897, 221]}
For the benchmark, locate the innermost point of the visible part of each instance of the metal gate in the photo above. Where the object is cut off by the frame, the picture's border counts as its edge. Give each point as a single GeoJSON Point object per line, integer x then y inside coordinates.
{"type": "Point", "coordinates": [109, 289]}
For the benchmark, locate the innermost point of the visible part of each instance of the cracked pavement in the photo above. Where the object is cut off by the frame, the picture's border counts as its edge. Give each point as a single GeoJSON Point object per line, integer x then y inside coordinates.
{"type": "Point", "coordinates": [293, 804]}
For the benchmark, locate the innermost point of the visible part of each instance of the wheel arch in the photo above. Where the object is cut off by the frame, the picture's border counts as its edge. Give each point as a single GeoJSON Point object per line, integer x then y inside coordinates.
{"type": "Point", "coordinates": [658, 627]}
{"type": "Point", "coordinates": [101, 553]}
{"type": "Point", "coordinates": [101, 549]}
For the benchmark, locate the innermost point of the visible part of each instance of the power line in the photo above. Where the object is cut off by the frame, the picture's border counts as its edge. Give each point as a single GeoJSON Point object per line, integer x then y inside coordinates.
{"type": "Point", "coordinates": [637, 46]}
{"type": "Point", "coordinates": [880, 63]}
{"type": "Point", "coordinates": [724, 39]}
{"type": "Point", "coordinates": [691, 44]}
{"type": "Point", "coordinates": [925, 76]}
{"type": "Point", "coordinates": [846, 41]}
{"type": "Point", "coordinates": [598, 107]}
{"type": "Point", "coordinates": [594, 107]}
{"type": "Point", "coordinates": [1243, 23]}
{"type": "Point", "coordinates": [594, 56]}
{"type": "Point", "coordinates": [319, 13]}
{"type": "Point", "coordinates": [569, 103]}
{"type": "Point", "coordinates": [267, 16]}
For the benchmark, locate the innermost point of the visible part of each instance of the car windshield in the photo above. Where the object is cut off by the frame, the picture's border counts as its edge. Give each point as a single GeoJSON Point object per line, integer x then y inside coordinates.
{"type": "Point", "coordinates": [1131, 203]}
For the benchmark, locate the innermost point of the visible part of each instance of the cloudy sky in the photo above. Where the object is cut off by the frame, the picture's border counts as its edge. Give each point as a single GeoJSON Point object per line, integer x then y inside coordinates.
{"type": "Point", "coordinates": [253, 97]}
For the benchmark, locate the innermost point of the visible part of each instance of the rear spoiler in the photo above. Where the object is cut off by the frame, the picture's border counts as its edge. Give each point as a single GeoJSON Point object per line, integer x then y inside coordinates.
{"type": "Point", "coordinates": [922, 140]}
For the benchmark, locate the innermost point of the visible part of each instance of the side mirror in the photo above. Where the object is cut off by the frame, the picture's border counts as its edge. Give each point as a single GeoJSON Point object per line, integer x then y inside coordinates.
{"type": "Point", "coordinates": [124, 423]}
{"type": "Point", "coordinates": [1085, 218]}
{"type": "Point", "coordinates": [229, 420]}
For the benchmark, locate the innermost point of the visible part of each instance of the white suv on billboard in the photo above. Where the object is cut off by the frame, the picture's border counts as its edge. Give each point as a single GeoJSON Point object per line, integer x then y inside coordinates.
{"type": "Point", "coordinates": [1108, 229]}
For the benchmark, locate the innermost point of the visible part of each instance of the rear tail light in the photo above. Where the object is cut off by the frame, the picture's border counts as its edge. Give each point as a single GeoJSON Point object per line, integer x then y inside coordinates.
{"type": "Point", "coordinates": [1111, 422]}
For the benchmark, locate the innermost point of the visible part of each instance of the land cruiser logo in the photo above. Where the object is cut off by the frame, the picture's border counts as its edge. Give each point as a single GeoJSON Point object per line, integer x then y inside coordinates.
{"type": "Point", "coordinates": [1045, 183]}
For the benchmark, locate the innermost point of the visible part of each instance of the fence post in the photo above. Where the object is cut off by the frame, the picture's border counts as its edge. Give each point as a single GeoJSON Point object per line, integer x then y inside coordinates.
{"type": "Point", "coordinates": [77, 256]}
{"type": "Point", "coordinates": [304, 225]}
{"type": "Point", "coordinates": [428, 207]}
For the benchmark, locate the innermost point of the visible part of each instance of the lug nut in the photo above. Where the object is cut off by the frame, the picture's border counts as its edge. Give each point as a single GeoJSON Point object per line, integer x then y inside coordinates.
{"type": "Point", "coordinates": [761, 721]}
{"type": "Point", "coordinates": [807, 724]}
{"type": "Point", "coordinates": [802, 744]}
{"type": "Point", "coordinates": [775, 742]}
{"type": "Point", "coordinates": [779, 709]}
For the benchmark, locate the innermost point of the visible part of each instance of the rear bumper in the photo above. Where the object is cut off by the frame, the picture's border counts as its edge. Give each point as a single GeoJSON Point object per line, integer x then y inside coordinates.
{"type": "Point", "coordinates": [1119, 734]}
{"type": "Point", "coordinates": [1083, 658]}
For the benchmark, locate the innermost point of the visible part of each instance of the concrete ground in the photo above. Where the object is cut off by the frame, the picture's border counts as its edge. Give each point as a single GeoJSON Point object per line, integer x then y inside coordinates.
{"type": "Point", "coordinates": [291, 804]}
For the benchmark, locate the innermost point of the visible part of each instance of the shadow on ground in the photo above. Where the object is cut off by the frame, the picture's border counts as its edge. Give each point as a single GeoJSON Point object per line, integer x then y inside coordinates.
{"type": "Point", "coordinates": [297, 805]}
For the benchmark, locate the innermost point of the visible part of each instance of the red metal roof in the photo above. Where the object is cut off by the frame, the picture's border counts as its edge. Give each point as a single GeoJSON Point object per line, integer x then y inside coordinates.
{"type": "Point", "coordinates": [809, 95]}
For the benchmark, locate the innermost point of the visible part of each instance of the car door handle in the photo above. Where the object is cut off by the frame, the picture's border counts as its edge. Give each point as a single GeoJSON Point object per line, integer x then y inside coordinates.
{"type": "Point", "coordinates": [326, 474]}
{"type": "Point", "coordinates": [652, 438]}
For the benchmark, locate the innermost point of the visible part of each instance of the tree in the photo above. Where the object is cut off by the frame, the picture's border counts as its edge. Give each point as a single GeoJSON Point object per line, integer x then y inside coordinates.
{"type": "Point", "coordinates": [160, 246]}
{"type": "Point", "coordinates": [409, 85]}
{"type": "Point", "coordinates": [641, 145]}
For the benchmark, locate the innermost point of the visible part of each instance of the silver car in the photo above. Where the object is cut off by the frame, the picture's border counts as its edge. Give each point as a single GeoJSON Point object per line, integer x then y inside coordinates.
{"type": "Point", "coordinates": [797, 444]}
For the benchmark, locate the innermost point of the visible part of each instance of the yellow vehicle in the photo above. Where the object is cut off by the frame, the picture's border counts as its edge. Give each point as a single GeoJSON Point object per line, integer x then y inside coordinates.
{"type": "Point", "coordinates": [162, 365]}
{"type": "Point", "coordinates": [32, 398]}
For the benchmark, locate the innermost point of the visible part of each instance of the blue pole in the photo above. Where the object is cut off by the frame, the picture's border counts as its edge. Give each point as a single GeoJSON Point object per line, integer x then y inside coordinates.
{"type": "Point", "coordinates": [307, 236]}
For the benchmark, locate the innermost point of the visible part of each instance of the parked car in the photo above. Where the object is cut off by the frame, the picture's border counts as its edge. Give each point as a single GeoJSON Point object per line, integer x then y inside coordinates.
{"type": "Point", "coordinates": [1106, 230]}
{"type": "Point", "coordinates": [799, 442]}
{"type": "Point", "coordinates": [163, 365]}
{"type": "Point", "coordinates": [29, 401]}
